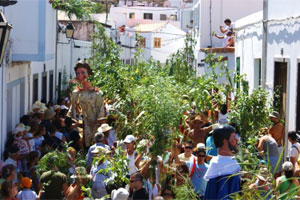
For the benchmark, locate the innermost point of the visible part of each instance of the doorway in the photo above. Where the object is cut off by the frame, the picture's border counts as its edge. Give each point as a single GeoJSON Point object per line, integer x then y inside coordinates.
{"type": "Point", "coordinates": [280, 88]}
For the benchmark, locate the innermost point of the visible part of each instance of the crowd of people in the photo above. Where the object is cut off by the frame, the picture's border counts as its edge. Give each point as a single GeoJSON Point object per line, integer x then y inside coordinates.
{"type": "Point", "coordinates": [203, 157]}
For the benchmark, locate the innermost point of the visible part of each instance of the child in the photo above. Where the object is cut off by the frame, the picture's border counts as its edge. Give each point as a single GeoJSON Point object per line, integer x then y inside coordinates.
{"type": "Point", "coordinates": [26, 192]}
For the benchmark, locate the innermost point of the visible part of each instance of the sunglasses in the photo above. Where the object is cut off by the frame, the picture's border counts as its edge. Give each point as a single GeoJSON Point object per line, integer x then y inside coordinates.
{"type": "Point", "coordinates": [201, 155]}
{"type": "Point", "coordinates": [188, 147]}
{"type": "Point", "coordinates": [132, 181]}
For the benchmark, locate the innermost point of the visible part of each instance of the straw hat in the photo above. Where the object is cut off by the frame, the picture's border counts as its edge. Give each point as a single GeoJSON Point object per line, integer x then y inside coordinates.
{"type": "Point", "coordinates": [263, 174]}
{"type": "Point", "coordinates": [80, 172]}
{"type": "Point", "coordinates": [104, 128]}
{"type": "Point", "coordinates": [49, 114]}
{"type": "Point", "coordinates": [101, 150]}
{"type": "Point", "coordinates": [120, 194]}
{"type": "Point", "coordinates": [275, 114]}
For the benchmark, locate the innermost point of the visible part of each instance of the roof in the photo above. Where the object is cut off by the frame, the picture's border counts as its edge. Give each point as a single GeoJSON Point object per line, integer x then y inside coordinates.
{"type": "Point", "coordinates": [149, 27]}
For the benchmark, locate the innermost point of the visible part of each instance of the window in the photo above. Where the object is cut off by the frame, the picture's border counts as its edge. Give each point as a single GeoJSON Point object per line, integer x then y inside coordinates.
{"type": "Point", "coordinates": [44, 86]}
{"type": "Point", "coordinates": [51, 86]}
{"type": "Point", "coordinates": [131, 15]}
{"type": "Point", "coordinates": [257, 72]}
{"type": "Point", "coordinates": [238, 72]}
{"type": "Point", "coordinates": [35, 88]}
{"type": "Point", "coordinates": [157, 42]}
{"type": "Point", "coordinates": [142, 42]}
{"type": "Point", "coordinates": [163, 17]}
{"type": "Point", "coordinates": [148, 16]}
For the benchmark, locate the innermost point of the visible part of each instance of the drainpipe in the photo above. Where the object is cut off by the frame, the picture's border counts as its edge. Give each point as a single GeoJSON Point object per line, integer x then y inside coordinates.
{"type": "Point", "coordinates": [264, 44]}
{"type": "Point", "coordinates": [55, 70]}
{"type": "Point", "coordinates": [210, 33]}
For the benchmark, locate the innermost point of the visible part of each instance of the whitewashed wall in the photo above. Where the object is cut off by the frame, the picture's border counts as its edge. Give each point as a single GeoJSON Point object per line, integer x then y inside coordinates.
{"type": "Point", "coordinates": [248, 46]}
{"type": "Point", "coordinates": [220, 10]}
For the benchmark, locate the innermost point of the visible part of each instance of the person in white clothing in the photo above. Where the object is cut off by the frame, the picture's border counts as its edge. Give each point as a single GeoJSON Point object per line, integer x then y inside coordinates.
{"type": "Point", "coordinates": [295, 148]}
{"type": "Point", "coordinates": [229, 26]}
{"type": "Point", "coordinates": [131, 154]}
{"type": "Point", "coordinates": [26, 193]}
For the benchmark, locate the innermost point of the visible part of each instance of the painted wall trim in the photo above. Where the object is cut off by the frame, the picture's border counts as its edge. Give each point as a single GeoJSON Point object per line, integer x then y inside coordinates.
{"type": "Point", "coordinates": [32, 57]}
{"type": "Point", "coordinates": [15, 83]}
{"type": "Point", "coordinates": [41, 55]}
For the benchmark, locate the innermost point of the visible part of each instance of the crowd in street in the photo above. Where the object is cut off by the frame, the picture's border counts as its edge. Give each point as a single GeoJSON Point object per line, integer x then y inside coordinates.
{"type": "Point", "coordinates": [205, 156]}
{"type": "Point", "coordinates": [201, 160]}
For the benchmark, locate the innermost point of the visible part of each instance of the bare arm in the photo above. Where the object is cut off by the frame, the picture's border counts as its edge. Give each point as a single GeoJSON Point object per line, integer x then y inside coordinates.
{"type": "Point", "coordinates": [261, 144]}
{"type": "Point", "coordinates": [219, 37]}
{"type": "Point", "coordinates": [223, 30]}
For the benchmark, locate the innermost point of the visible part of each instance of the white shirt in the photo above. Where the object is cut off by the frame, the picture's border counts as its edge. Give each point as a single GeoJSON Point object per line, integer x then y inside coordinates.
{"type": "Point", "coordinates": [131, 166]}
{"type": "Point", "coordinates": [26, 194]}
{"type": "Point", "coordinates": [222, 165]}
{"type": "Point", "coordinates": [294, 151]}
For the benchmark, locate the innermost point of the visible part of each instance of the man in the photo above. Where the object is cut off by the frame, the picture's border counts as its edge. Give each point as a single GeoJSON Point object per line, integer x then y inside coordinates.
{"type": "Point", "coordinates": [295, 148]}
{"type": "Point", "coordinates": [54, 183]}
{"type": "Point", "coordinates": [229, 26]}
{"type": "Point", "coordinates": [99, 137]}
{"type": "Point", "coordinates": [197, 169]}
{"type": "Point", "coordinates": [222, 173]}
{"type": "Point", "coordinates": [277, 130]}
{"type": "Point", "coordinates": [99, 172]}
{"type": "Point", "coordinates": [137, 191]}
{"type": "Point", "coordinates": [109, 133]}
{"type": "Point", "coordinates": [188, 150]}
{"type": "Point", "coordinates": [198, 133]}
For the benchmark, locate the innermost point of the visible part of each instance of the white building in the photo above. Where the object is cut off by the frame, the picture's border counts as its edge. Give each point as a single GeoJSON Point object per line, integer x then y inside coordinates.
{"type": "Point", "coordinates": [268, 51]}
{"type": "Point", "coordinates": [159, 40]}
{"type": "Point", "coordinates": [28, 73]}
{"type": "Point", "coordinates": [131, 16]}
{"type": "Point", "coordinates": [212, 14]}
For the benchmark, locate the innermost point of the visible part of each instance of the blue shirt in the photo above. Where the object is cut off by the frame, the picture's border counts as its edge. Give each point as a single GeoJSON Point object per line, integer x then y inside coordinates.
{"type": "Point", "coordinates": [89, 157]}
{"type": "Point", "coordinates": [211, 148]}
{"type": "Point", "coordinates": [199, 183]}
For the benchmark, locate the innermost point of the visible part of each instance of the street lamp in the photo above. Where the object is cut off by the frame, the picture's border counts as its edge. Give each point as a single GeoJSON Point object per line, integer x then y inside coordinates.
{"type": "Point", "coordinates": [4, 34]}
{"type": "Point", "coordinates": [69, 30]}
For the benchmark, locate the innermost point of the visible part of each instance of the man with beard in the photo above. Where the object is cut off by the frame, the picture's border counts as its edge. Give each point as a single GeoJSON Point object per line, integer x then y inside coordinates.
{"type": "Point", "coordinates": [222, 173]}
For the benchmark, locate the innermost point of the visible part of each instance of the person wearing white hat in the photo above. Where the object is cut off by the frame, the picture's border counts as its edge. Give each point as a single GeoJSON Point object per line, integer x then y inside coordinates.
{"type": "Point", "coordinates": [288, 183]}
{"type": "Point", "coordinates": [109, 134]}
{"type": "Point", "coordinates": [99, 172]}
{"type": "Point", "coordinates": [99, 138]}
{"type": "Point", "coordinates": [131, 154]}
{"type": "Point", "coordinates": [19, 134]}
{"type": "Point", "coordinates": [120, 194]}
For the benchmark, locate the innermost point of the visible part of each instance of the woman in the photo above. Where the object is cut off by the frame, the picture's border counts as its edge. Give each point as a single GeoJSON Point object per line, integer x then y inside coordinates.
{"type": "Point", "coordinates": [88, 101]}
{"type": "Point", "coordinates": [287, 183]}
{"type": "Point", "coordinates": [8, 191]}
{"type": "Point", "coordinates": [32, 161]}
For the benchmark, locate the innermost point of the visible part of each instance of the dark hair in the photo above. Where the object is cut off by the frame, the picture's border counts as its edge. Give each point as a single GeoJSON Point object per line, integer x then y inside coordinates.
{"type": "Point", "coordinates": [82, 64]}
{"type": "Point", "coordinates": [227, 20]}
{"type": "Point", "coordinates": [25, 119]}
{"type": "Point", "coordinates": [6, 188]}
{"type": "Point", "coordinates": [7, 170]}
{"type": "Point", "coordinates": [289, 174]}
{"type": "Point", "coordinates": [34, 126]}
{"type": "Point", "coordinates": [189, 142]}
{"type": "Point", "coordinates": [163, 192]}
{"type": "Point", "coordinates": [40, 129]}
{"type": "Point", "coordinates": [51, 128]}
{"type": "Point", "coordinates": [292, 135]}
{"type": "Point", "coordinates": [219, 134]}
{"type": "Point", "coordinates": [36, 116]}
{"type": "Point", "coordinates": [68, 121]}
{"type": "Point", "coordinates": [138, 176]}
{"type": "Point", "coordinates": [31, 157]}
{"type": "Point", "coordinates": [223, 109]}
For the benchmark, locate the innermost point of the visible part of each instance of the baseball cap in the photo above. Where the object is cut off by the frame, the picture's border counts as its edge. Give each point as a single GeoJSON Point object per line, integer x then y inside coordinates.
{"type": "Point", "coordinates": [129, 139]}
